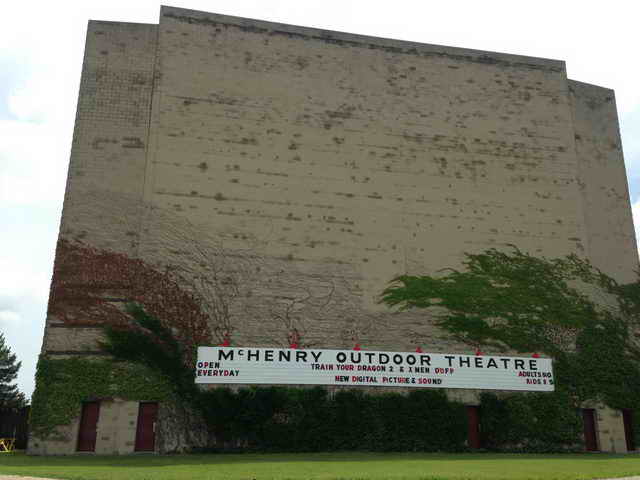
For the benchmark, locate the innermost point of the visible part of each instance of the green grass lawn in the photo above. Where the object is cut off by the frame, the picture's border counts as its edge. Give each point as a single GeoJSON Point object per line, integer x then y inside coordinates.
{"type": "Point", "coordinates": [325, 466]}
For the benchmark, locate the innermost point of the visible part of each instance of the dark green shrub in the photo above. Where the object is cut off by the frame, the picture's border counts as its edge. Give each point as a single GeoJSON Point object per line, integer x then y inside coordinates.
{"type": "Point", "coordinates": [531, 422]}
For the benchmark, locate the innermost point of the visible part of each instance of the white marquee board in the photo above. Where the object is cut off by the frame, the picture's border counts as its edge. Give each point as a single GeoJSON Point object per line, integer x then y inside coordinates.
{"type": "Point", "coordinates": [268, 366]}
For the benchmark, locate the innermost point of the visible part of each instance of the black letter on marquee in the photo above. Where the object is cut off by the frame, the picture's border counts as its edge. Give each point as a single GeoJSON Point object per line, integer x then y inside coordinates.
{"type": "Point", "coordinates": [222, 355]}
{"type": "Point", "coordinates": [255, 355]}
{"type": "Point", "coordinates": [285, 355]}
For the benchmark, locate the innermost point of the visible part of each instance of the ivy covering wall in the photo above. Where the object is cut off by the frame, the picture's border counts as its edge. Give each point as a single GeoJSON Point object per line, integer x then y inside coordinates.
{"type": "Point", "coordinates": [309, 419]}
{"type": "Point", "coordinates": [63, 384]}
{"type": "Point", "coordinates": [292, 419]}
{"type": "Point", "coordinates": [507, 301]}
{"type": "Point", "coordinates": [530, 422]}
{"type": "Point", "coordinates": [313, 419]}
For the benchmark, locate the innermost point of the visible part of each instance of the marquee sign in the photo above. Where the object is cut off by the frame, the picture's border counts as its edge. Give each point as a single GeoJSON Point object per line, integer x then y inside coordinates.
{"type": "Point", "coordinates": [264, 366]}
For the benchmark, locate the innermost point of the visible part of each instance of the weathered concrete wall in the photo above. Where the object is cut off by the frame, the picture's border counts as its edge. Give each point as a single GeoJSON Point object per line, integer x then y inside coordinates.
{"type": "Point", "coordinates": [360, 157]}
{"type": "Point", "coordinates": [116, 432]}
{"type": "Point", "coordinates": [337, 159]}
{"type": "Point", "coordinates": [109, 145]}
{"type": "Point", "coordinates": [112, 122]}
{"type": "Point", "coordinates": [388, 156]}
{"type": "Point", "coordinates": [108, 154]}
{"type": "Point", "coordinates": [609, 425]}
{"type": "Point", "coordinates": [117, 427]}
{"type": "Point", "coordinates": [63, 442]}
{"type": "Point", "coordinates": [610, 429]}
{"type": "Point", "coordinates": [603, 181]}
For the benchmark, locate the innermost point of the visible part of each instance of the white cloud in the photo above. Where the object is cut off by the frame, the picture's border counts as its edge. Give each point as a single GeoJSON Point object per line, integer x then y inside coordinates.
{"type": "Point", "coordinates": [21, 281]}
{"type": "Point", "coordinates": [33, 163]}
{"type": "Point", "coordinates": [31, 103]}
{"type": "Point", "coordinates": [7, 316]}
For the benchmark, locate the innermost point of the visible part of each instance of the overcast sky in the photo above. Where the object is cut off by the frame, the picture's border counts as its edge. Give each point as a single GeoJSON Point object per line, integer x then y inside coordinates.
{"type": "Point", "coordinates": [41, 49]}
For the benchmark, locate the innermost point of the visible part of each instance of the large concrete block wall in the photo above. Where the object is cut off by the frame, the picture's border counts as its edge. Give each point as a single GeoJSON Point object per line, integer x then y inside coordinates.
{"type": "Point", "coordinates": [340, 157]}
{"type": "Point", "coordinates": [610, 430]}
{"type": "Point", "coordinates": [112, 124]}
{"type": "Point", "coordinates": [108, 154]}
{"type": "Point", "coordinates": [389, 156]}
{"type": "Point", "coordinates": [603, 181]}
{"type": "Point", "coordinates": [107, 162]}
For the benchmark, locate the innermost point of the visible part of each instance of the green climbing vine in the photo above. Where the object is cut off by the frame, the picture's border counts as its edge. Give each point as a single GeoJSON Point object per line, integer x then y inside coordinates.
{"type": "Point", "coordinates": [63, 384]}
{"type": "Point", "coordinates": [147, 363]}
{"type": "Point", "coordinates": [562, 307]}
{"type": "Point", "coordinates": [510, 301]}
{"type": "Point", "coordinates": [310, 419]}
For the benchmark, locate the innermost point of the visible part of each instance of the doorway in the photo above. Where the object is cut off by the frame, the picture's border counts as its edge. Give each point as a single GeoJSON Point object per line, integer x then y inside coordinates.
{"type": "Point", "coordinates": [590, 438]}
{"type": "Point", "coordinates": [473, 432]}
{"type": "Point", "coordinates": [627, 419]}
{"type": "Point", "coordinates": [146, 430]}
{"type": "Point", "coordinates": [88, 430]}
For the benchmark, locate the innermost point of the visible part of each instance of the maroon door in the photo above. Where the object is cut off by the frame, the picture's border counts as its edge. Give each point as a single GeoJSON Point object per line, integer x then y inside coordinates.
{"type": "Point", "coordinates": [473, 435]}
{"type": "Point", "coordinates": [146, 432]}
{"type": "Point", "coordinates": [88, 430]}
{"type": "Point", "coordinates": [589, 419]}
{"type": "Point", "coordinates": [627, 419]}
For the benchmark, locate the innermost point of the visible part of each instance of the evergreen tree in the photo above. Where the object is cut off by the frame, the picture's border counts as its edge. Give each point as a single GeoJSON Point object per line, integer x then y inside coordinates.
{"type": "Point", "coordinates": [10, 397]}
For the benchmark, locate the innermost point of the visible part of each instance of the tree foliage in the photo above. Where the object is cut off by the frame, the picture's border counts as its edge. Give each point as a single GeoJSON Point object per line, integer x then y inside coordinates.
{"type": "Point", "coordinates": [10, 396]}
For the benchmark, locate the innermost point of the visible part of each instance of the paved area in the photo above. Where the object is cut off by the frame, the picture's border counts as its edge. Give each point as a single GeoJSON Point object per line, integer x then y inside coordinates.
{"type": "Point", "coordinates": [15, 477]}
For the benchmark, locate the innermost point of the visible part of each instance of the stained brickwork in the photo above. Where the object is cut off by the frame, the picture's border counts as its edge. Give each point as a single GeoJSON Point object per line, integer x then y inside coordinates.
{"type": "Point", "coordinates": [374, 151]}
{"type": "Point", "coordinates": [334, 159]}
{"type": "Point", "coordinates": [603, 181]}
{"type": "Point", "coordinates": [112, 123]}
